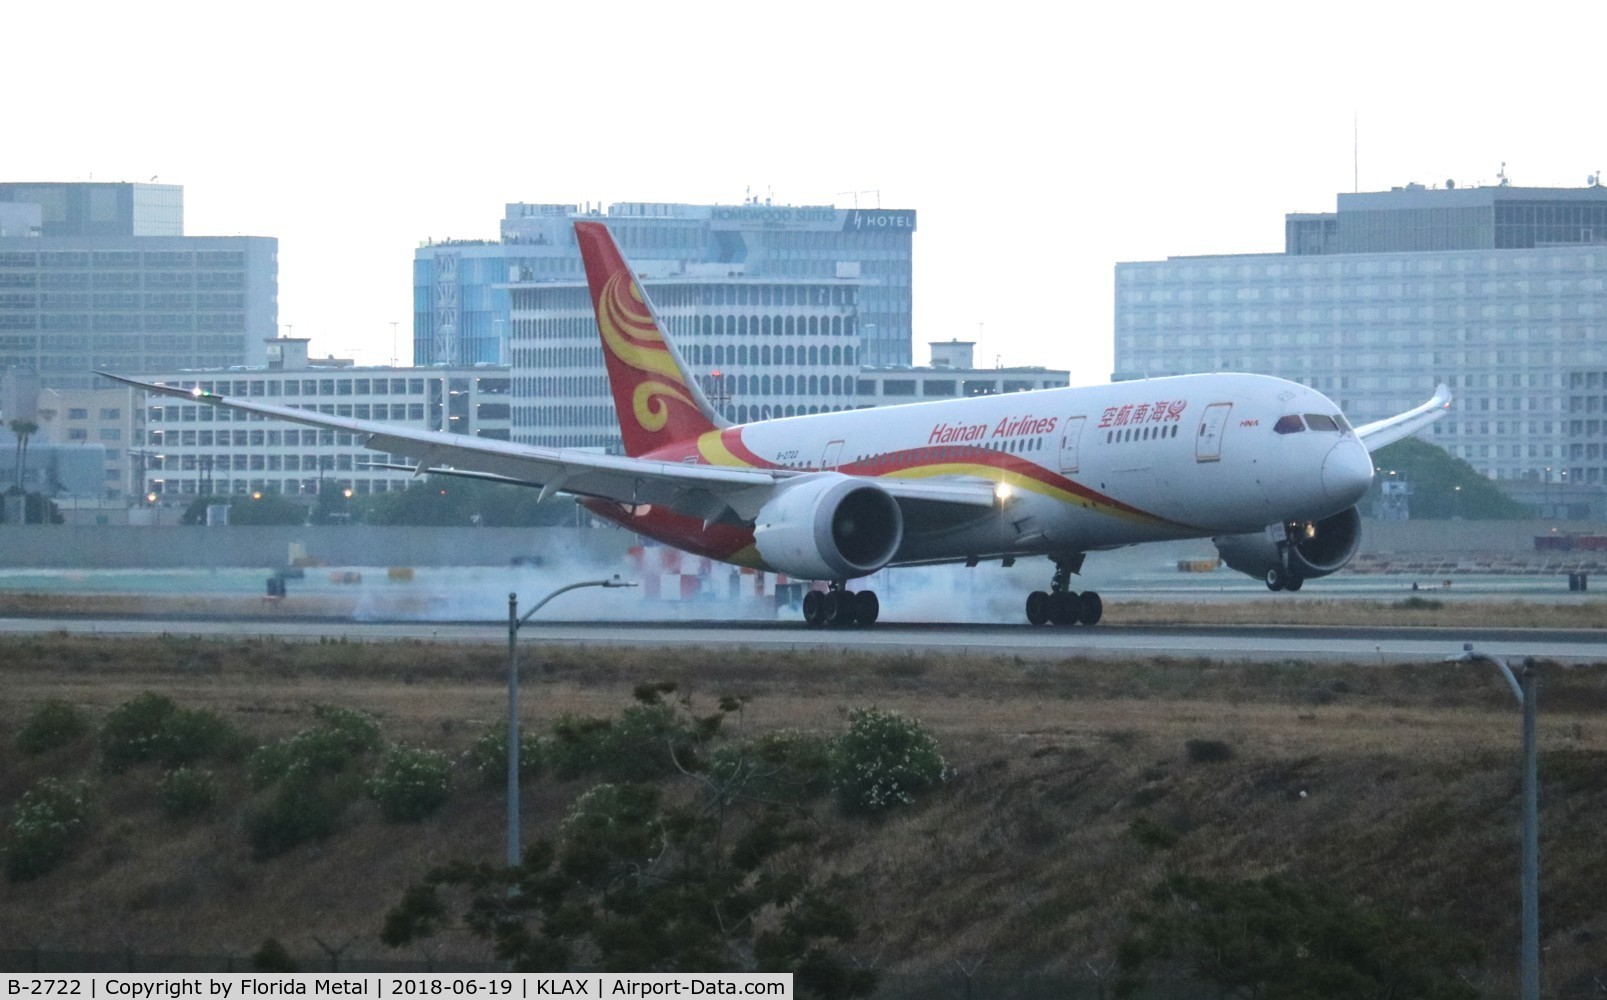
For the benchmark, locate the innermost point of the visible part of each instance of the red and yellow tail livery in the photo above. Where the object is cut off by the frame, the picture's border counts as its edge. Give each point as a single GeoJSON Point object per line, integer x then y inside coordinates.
{"type": "Point", "coordinates": [658, 403]}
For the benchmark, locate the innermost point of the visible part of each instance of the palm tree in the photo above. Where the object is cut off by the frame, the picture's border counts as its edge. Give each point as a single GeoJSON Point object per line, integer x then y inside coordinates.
{"type": "Point", "coordinates": [23, 429]}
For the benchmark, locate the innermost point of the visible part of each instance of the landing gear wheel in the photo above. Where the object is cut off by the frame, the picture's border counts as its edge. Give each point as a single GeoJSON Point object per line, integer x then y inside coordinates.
{"type": "Point", "coordinates": [1294, 583]}
{"type": "Point", "coordinates": [1038, 608]}
{"type": "Point", "coordinates": [867, 608]}
{"type": "Point", "coordinates": [1063, 608]}
{"type": "Point", "coordinates": [837, 607]}
{"type": "Point", "coordinates": [1090, 608]}
{"type": "Point", "coordinates": [814, 607]}
{"type": "Point", "coordinates": [1275, 579]}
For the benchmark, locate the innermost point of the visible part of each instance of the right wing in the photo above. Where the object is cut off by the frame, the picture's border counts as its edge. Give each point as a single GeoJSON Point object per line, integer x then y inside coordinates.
{"type": "Point", "coordinates": [1391, 429]}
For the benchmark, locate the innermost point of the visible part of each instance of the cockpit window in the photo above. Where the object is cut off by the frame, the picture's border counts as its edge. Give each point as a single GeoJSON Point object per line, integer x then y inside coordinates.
{"type": "Point", "coordinates": [1344, 425]}
{"type": "Point", "coordinates": [1289, 424]}
{"type": "Point", "coordinates": [1321, 422]}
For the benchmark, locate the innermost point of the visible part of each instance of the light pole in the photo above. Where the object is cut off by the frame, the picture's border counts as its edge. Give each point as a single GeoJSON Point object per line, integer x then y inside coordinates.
{"type": "Point", "coordinates": [1523, 688]}
{"type": "Point", "coordinates": [515, 621]}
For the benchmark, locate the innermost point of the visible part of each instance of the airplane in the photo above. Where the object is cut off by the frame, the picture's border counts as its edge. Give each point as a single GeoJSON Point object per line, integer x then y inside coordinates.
{"type": "Point", "coordinates": [1268, 469]}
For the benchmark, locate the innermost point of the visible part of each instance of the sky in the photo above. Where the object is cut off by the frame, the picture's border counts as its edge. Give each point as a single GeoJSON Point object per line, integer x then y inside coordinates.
{"type": "Point", "coordinates": [1040, 143]}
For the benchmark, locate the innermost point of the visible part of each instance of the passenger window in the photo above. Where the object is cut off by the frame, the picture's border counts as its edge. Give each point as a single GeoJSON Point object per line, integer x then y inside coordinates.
{"type": "Point", "coordinates": [1289, 424]}
{"type": "Point", "coordinates": [1321, 422]}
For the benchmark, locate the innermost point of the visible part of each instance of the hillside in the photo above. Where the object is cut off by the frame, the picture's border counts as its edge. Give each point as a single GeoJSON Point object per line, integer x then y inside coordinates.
{"type": "Point", "coordinates": [1395, 786]}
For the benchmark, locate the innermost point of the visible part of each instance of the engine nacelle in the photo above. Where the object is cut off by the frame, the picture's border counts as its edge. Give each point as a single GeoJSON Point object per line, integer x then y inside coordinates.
{"type": "Point", "coordinates": [829, 527]}
{"type": "Point", "coordinates": [1290, 552]}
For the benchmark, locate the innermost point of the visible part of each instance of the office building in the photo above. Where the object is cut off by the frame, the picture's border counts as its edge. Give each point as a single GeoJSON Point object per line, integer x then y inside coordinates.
{"type": "Point", "coordinates": [461, 287]}
{"type": "Point", "coordinates": [101, 277]}
{"type": "Point", "coordinates": [1500, 292]}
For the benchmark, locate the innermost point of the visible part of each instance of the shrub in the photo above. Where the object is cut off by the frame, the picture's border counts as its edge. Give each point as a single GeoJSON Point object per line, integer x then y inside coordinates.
{"type": "Point", "coordinates": [188, 791]}
{"type": "Point", "coordinates": [53, 724]}
{"type": "Point", "coordinates": [489, 755]}
{"type": "Point", "coordinates": [49, 819]}
{"type": "Point", "coordinates": [131, 731]}
{"type": "Point", "coordinates": [783, 766]}
{"type": "Point", "coordinates": [883, 761]}
{"type": "Point", "coordinates": [190, 734]}
{"type": "Point", "coordinates": [301, 809]}
{"type": "Point", "coordinates": [1209, 751]}
{"type": "Point", "coordinates": [645, 742]}
{"type": "Point", "coordinates": [310, 770]}
{"type": "Point", "coordinates": [329, 747]}
{"type": "Point", "coordinates": [152, 727]}
{"type": "Point", "coordinates": [611, 826]}
{"type": "Point", "coordinates": [411, 784]}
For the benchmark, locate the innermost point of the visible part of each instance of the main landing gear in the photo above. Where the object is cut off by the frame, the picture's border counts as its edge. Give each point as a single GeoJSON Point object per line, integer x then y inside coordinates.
{"type": "Point", "coordinates": [837, 606]}
{"type": "Point", "coordinates": [1282, 579]}
{"type": "Point", "coordinates": [1061, 606]}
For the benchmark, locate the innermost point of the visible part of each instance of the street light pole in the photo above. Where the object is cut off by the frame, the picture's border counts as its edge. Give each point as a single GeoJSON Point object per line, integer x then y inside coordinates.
{"type": "Point", "coordinates": [1523, 688]}
{"type": "Point", "coordinates": [515, 622]}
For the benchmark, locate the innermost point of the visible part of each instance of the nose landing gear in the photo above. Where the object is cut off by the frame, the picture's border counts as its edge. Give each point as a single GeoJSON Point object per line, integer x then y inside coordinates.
{"type": "Point", "coordinates": [1061, 605]}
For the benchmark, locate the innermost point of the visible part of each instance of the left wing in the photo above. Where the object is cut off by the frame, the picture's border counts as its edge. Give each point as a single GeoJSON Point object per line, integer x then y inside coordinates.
{"type": "Point", "coordinates": [704, 490]}
{"type": "Point", "coordinates": [1391, 429]}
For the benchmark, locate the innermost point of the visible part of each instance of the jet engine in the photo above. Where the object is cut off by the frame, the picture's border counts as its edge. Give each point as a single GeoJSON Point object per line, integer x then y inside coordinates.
{"type": "Point", "coordinates": [1288, 553]}
{"type": "Point", "coordinates": [828, 527]}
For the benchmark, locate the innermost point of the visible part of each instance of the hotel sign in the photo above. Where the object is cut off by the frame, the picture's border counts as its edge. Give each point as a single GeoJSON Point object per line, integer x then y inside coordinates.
{"type": "Point", "coordinates": [878, 219]}
{"type": "Point", "coordinates": [818, 218]}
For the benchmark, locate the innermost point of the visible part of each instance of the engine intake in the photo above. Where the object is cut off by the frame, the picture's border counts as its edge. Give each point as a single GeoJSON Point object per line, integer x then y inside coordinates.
{"type": "Point", "coordinates": [829, 527]}
{"type": "Point", "coordinates": [1294, 550]}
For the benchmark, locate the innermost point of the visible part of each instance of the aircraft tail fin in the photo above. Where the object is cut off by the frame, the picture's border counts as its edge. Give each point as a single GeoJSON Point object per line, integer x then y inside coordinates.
{"type": "Point", "coordinates": [657, 400]}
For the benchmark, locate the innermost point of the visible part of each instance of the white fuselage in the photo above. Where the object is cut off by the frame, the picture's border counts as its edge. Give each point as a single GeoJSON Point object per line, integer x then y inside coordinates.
{"type": "Point", "coordinates": [1095, 467]}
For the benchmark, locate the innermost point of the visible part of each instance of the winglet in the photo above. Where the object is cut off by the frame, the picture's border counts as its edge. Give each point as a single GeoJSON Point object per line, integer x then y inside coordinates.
{"type": "Point", "coordinates": [658, 403]}
{"type": "Point", "coordinates": [1391, 429]}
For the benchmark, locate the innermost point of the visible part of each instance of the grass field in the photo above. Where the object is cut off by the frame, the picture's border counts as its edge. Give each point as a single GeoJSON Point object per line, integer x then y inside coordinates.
{"type": "Point", "coordinates": [1394, 784]}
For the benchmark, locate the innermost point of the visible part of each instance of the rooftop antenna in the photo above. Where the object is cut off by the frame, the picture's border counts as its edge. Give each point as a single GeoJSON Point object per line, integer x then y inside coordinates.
{"type": "Point", "coordinates": [1501, 175]}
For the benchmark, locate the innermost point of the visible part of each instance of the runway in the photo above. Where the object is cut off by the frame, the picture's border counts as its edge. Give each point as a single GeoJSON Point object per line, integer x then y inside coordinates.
{"type": "Point", "coordinates": [1221, 643]}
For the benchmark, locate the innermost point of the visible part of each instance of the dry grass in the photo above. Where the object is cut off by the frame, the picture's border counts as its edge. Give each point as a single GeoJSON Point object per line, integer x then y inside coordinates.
{"type": "Point", "coordinates": [1407, 772]}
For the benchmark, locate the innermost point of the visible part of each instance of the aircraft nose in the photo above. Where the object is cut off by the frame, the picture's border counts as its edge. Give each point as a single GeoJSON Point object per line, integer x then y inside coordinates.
{"type": "Point", "coordinates": [1347, 472]}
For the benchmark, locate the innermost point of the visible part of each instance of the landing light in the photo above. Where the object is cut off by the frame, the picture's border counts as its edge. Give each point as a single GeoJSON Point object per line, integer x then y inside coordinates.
{"type": "Point", "coordinates": [1003, 492]}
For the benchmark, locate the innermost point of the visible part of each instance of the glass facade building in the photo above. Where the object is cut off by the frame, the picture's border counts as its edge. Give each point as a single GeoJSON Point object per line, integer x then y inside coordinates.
{"type": "Point", "coordinates": [1501, 293]}
{"type": "Point", "coordinates": [462, 289]}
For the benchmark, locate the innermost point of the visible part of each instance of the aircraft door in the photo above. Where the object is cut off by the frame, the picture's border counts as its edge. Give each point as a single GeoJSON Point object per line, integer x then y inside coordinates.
{"type": "Point", "coordinates": [1070, 441]}
{"type": "Point", "coordinates": [1208, 445]}
{"type": "Point", "coordinates": [832, 455]}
